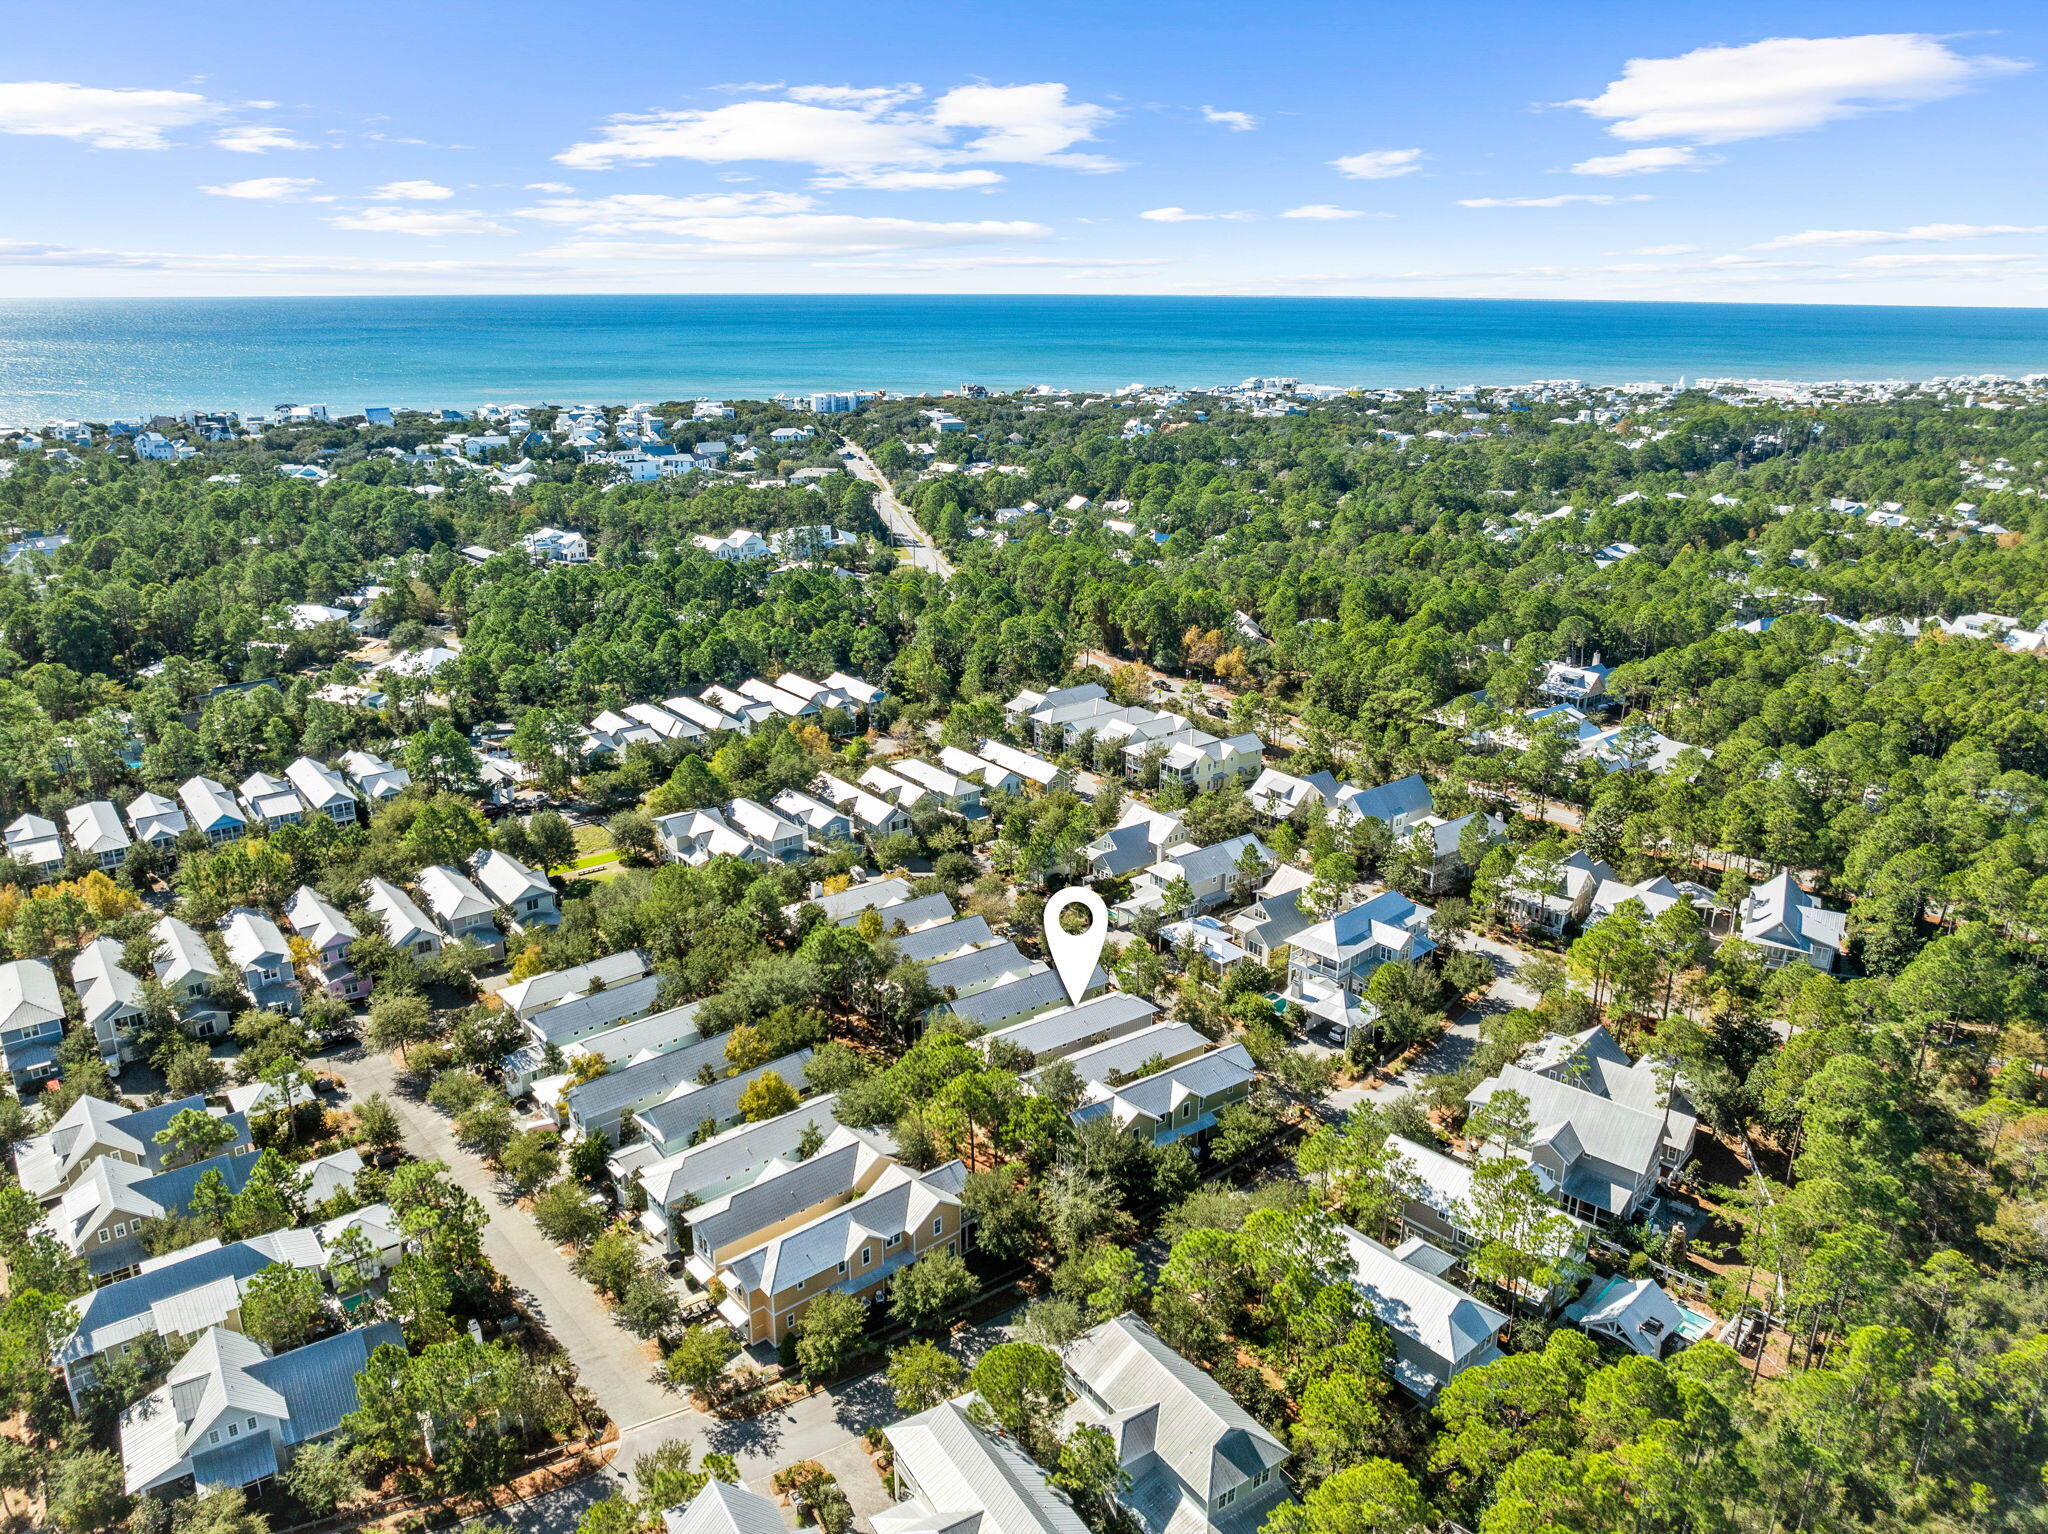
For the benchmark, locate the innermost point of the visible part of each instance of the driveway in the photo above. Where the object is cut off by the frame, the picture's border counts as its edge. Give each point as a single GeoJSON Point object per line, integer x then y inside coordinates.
{"type": "Point", "coordinates": [1455, 1046]}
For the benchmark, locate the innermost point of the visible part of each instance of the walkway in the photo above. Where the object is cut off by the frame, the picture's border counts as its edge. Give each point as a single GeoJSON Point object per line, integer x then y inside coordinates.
{"type": "Point", "coordinates": [924, 553]}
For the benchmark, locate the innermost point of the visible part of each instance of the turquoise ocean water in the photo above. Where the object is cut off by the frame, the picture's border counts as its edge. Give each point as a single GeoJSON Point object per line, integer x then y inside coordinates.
{"type": "Point", "coordinates": [93, 358]}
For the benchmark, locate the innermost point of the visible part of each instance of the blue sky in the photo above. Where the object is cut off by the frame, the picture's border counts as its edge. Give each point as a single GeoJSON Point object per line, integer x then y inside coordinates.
{"type": "Point", "coordinates": [1828, 152]}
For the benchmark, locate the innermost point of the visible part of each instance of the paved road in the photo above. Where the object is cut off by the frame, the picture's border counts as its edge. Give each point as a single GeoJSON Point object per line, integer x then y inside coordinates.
{"type": "Point", "coordinates": [925, 554]}
{"type": "Point", "coordinates": [612, 1363]}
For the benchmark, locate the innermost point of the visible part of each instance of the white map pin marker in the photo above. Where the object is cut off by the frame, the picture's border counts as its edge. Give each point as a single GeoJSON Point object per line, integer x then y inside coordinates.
{"type": "Point", "coordinates": [1074, 953]}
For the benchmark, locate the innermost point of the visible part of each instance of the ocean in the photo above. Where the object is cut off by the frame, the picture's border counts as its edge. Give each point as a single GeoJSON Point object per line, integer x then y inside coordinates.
{"type": "Point", "coordinates": [95, 358]}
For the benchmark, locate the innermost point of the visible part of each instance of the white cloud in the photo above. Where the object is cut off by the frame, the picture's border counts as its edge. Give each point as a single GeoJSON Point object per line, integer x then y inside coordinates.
{"type": "Point", "coordinates": [418, 221]}
{"type": "Point", "coordinates": [1027, 124]}
{"type": "Point", "coordinates": [849, 95]}
{"type": "Point", "coordinates": [1236, 122]}
{"type": "Point", "coordinates": [1782, 85]}
{"type": "Point", "coordinates": [412, 191]}
{"type": "Point", "coordinates": [1183, 216]}
{"type": "Point", "coordinates": [843, 130]}
{"type": "Point", "coordinates": [1945, 258]}
{"type": "Point", "coordinates": [907, 180]}
{"type": "Point", "coordinates": [263, 188]}
{"type": "Point", "coordinates": [1328, 212]}
{"type": "Point", "coordinates": [833, 137]}
{"type": "Point", "coordinates": [650, 213]}
{"type": "Point", "coordinates": [984, 262]}
{"type": "Point", "coordinates": [1643, 162]}
{"type": "Point", "coordinates": [256, 138]}
{"type": "Point", "coordinates": [1918, 233]}
{"type": "Point", "coordinates": [1562, 199]}
{"type": "Point", "coordinates": [1661, 250]}
{"type": "Point", "coordinates": [104, 119]}
{"type": "Point", "coordinates": [1379, 164]}
{"type": "Point", "coordinates": [806, 234]}
{"type": "Point", "coordinates": [559, 188]}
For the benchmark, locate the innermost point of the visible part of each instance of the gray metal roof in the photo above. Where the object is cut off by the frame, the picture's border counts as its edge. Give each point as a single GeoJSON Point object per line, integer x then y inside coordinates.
{"type": "Point", "coordinates": [1057, 1033]}
{"type": "Point", "coordinates": [970, 1477]}
{"type": "Point", "coordinates": [677, 1118]}
{"type": "Point", "coordinates": [604, 1097]}
{"type": "Point", "coordinates": [945, 938]}
{"type": "Point", "coordinates": [600, 1009]}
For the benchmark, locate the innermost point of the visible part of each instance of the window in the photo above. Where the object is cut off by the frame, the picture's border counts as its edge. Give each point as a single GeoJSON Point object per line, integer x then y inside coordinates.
{"type": "Point", "coordinates": [105, 1237]}
{"type": "Point", "coordinates": [233, 1431]}
{"type": "Point", "coordinates": [121, 1229]}
{"type": "Point", "coordinates": [214, 1436]}
{"type": "Point", "coordinates": [895, 1240]}
{"type": "Point", "coordinates": [842, 1265]}
{"type": "Point", "coordinates": [252, 1424]}
{"type": "Point", "coordinates": [939, 1226]}
{"type": "Point", "coordinates": [867, 1255]}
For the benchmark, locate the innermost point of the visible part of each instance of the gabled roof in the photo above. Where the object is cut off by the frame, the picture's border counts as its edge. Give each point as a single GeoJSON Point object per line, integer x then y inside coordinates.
{"type": "Point", "coordinates": [403, 920]}
{"type": "Point", "coordinates": [210, 804]}
{"type": "Point", "coordinates": [28, 995]}
{"type": "Point", "coordinates": [527, 997]}
{"type": "Point", "coordinates": [186, 953]}
{"type": "Point", "coordinates": [1128, 1378]}
{"type": "Point", "coordinates": [95, 827]}
{"type": "Point", "coordinates": [452, 897]}
{"type": "Point", "coordinates": [251, 937]}
{"type": "Point", "coordinates": [1436, 1316]}
{"type": "Point", "coordinates": [900, 1201]}
{"type": "Point", "coordinates": [598, 1009]}
{"type": "Point", "coordinates": [318, 784]}
{"type": "Point", "coordinates": [316, 919]}
{"type": "Point", "coordinates": [105, 989]}
{"type": "Point", "coordinates": [1053, 1034]}
{"type": "Point", "coordinates": [506, 879]}
{"type": "Point", "coordinates": [720, 1508]}
{"type": "Point", "coordinates": [1407, 796]}
{"type": "Point", "coordinates": [970, 1480]}
{"type": "Point", "coordinates": [678, 1116]}
{"type": "Point", "coordinates": [735, 1153]}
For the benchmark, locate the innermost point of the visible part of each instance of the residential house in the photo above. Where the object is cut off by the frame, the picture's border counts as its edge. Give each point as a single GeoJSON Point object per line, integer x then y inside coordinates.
{"type": "Point", "coordinates": [789, 705]}
{"type": "Point", "coordinates": [1604, 1130]}
{"type": "Point", "coordinates": [708, 719]}
{"type": "Point", "coordinates": [31, 841]}
{"type": "Point", "coordinates": [176, 1297]}
{"type": "Point", "coordinates": [665, 725]}
{"type": "Point", "coordinates": [695, 1109]}
{"type": "Point", "coordinates": [102, 1215]}
{"type": "Point", "coordinates": [231, 1416]}
{"type": "Point", "coordinates": [271, 800]}
{"type": "Point", "coordinates": [1141, 837]}
{"type": "Point", "coordinates": [49, 1164]}
{"type": "Point", "coordinates": [1637, 1313]}
{"type": "Point", "coordinates": [583, 1017]}
{"type": "Point", "coordinates": [1195, 759]}
{"type": "Point", "coordinates": [1582, 686]}
{"type": "Point", "coordinates": [464, 913]}
{"type": "Point", "coordinates": [211, 810]}
{"type": "Point", "coordinates": [95, 830]}
{"type": "Point", "coordinates": [1346, 948]}
{"type": "Point", "coordinates": [846, 1165]}
{"type": "Point", "coordinates": [736, 547]}
{"type": "Point", "coordinates": [523, 894]}
{"type": "Point", "coordinates": [109, 999]}
{"type": "Point", "coordinates": [1437, 1205]}
{"type": "Point", "coordinates": [313, 917]}
{"type": "Point", "coordinates": [1143, 1053]}
{"type": "Point", "coordinates": [323, 791]}
{"type": "Point", "coordinates": [989, 774]}
{"type": "Point", "coordinates": [31, 1021]}
{"type": "Point", "coordinates": [375, 778]}
{"type": "Point", "coordinates": [623, 1044]}
{"type": "Point", "coordinates": [1036, 991]}
{"type": "Point", "coordinates": [823, 823]}
{"type": "Point", "coordinates": [1037, 774]}
{"type": "Point", "coordinates": [406, 926]}
{"type": "Point", "coordinates": [1177, 1104]}
{"type": "Point", "coordinates": [187, 968]}
{"type": "Point", "coordinates": [1198, 1462]}
{"type": "Point", "coordinates": [1211, 874]}
{"type": "Point", "coordinates": [1278, 794]}
{"type": "Point", "coordinates": [528, 999]}
{"type": "Point", "coordinates": [1444, 841]}
{"type": "Point", "coordinates": [556, 546]}
{"type": "Point", "coordinates": [1787, 926]}
{"type": "Point", "coordinates": [853, 1249]}
{"type": "Point", "coordinates": [1067, 1031]}
{"type": "Point", "coordinates": [865, 814]}
{"type": "Point", "coordinates": [1401, 805]}
{"type": "Point", "coordinates": [1655, 895]}
{"type": "Point", "coordinates": [258, 949]}
{"type": "Point", "coordinates": [702, 1175]}
{"type": "Point", "coordinates": [751, 712]}
{"type": "Point", "coordinates": [1539, 901]}
{"type": "Point", "coordinates": [773, 837]}
{"type": "Point", "coordinates": [1437, 1329]}
{"type": "Point", "coordinates": [1269, 923]}
{"type": "Point", "coordinates": [958, 794]}
{"type": "Point", "coordinates": [156, 820]}
{"type": "Point", "coordinates": [953, 1474]}
{"type": "Point", "coordinates": [720, 1508]}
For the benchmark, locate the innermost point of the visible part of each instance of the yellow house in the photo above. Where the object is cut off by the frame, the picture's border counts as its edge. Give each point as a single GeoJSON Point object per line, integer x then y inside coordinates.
{"type": "Point", "coordinates": [853, 1249]}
